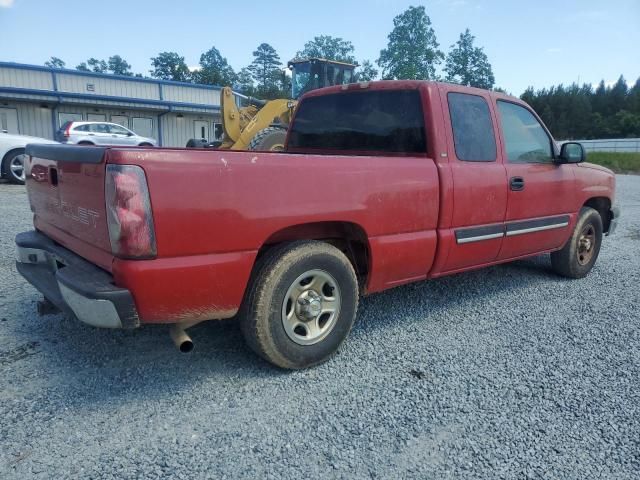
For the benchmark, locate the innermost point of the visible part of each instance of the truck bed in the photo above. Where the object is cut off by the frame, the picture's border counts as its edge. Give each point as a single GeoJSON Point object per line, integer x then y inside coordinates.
{"type": "Point", "coordinates": [214, 210]}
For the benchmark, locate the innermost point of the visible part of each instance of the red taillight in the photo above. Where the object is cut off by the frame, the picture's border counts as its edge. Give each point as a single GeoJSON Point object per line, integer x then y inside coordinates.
{"type": "Point", "coordinates": [129, 215]}
{"type": "Point", "coordinates": [67, 130]}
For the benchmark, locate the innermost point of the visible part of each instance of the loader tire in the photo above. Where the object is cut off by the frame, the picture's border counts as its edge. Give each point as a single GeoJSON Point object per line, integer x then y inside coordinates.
{"type": "Point", "coordinates": [270, 139]}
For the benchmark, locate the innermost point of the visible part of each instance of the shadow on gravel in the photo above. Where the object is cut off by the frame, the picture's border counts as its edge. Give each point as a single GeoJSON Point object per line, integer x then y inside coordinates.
{"type": "Point", "coordinates": [106, 365]}
{"type": "Point", "coordinates": [428, 300]}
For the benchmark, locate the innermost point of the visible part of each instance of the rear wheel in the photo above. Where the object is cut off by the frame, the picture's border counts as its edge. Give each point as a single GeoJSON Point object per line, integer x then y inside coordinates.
{"type": "Point", "coordinates": [270, 139]}
{"type": "Point", "coordinates": [13, 166]}
{"type": "Point", "coordinates": [300, 305]}
{"type": "Point", "coordinates": [577, 257]}
{"type": "Point", "coordinates": [145, 144]}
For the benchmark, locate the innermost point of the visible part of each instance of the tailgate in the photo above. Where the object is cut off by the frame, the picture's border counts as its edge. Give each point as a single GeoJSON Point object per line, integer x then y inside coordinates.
{"type": "Point", "coordinates": [65, 184]}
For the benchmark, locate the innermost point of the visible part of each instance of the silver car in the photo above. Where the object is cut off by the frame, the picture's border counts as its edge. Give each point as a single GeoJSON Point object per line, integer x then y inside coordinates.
{"type": "Point", "coordinates": [12, 155]}
{"type": "Point", "coordinates": [101, 133]}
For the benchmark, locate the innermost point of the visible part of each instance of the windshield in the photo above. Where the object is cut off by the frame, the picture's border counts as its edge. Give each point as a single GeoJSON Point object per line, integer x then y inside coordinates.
{"type": "Point", "coordinates": [301, 79]}
{"type": "Point", "coordinates": [309, 76]}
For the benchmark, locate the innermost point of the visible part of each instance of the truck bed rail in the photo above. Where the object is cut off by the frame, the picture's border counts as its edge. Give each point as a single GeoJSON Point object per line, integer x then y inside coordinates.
{"type": "Point", "coordinates": [66, 153]}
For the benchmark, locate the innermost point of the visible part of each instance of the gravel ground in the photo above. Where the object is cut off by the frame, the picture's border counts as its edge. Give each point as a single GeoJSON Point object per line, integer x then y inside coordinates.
{"type": "Point", "coordinates": [509, 372]}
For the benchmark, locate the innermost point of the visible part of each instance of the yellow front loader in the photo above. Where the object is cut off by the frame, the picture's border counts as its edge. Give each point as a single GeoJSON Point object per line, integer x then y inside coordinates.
{"type": "Point", "coordinates": [262, 125]}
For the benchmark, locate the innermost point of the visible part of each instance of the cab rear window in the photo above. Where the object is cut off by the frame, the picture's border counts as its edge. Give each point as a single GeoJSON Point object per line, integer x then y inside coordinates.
{"type": "Point", "coordinates": [360, 123]}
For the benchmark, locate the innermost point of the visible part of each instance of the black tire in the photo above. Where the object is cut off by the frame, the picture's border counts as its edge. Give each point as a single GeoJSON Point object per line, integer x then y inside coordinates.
{"type": "Point", "coordinates": [86, 144]}
{"type": "Point", "coordinates": [13, 158]}
{"type": "Point", "coordinates": [270, 139]}
{"type": "Point", "coordinates": [145, 144]}
{"type": "Point", "coordinates": [574, 260]}
{"type": "Point", "coordinates": [262, 316]}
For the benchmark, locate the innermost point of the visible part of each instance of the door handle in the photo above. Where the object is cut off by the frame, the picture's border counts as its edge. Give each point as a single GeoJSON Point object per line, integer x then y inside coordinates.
{"type": "Point", "coordinates": [516, 184]}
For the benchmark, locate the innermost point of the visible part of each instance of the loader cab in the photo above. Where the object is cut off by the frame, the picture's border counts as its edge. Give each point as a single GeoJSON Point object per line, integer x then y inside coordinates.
{"type": "Point", "coordinates": [312, 73]}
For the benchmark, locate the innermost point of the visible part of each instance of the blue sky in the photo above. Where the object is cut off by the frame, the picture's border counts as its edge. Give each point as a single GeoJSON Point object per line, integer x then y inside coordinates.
{"type": "Point", "coordinates": [539, 43]}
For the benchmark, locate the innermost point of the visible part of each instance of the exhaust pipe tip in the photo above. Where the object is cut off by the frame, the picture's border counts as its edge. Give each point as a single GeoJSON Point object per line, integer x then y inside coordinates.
{"type": "Point", "coordinates": [186, 346]}
{"type": "Point", "coordinates": [180, 338]}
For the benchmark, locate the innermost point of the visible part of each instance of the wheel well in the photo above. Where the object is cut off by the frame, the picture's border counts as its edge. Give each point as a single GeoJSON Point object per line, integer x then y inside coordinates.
{"type": "Point", "coordinates": [6, 157]}
{"type": "Point", "coordinates": [603, 206]}
{"type": "Point", "coordinates": [84, 142]}
{"type": "Point", "coordinates": [349, 237]}
{"type": "Point", "coordinates": [145, 144]}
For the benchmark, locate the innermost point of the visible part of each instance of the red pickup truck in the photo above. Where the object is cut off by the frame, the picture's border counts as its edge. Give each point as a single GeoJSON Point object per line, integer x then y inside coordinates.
{"type": "Point", "coordinates": [381, 184]}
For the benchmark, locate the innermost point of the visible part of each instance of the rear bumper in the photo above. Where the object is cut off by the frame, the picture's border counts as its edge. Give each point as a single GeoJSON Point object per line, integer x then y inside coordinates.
{"type": "Point", "coordinates": [73, 284]}
{"type": "Point", "coordinates": [613, 222]}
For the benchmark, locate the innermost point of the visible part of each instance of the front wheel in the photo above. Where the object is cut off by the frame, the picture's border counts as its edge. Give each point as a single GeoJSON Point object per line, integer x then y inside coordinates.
{"type": "Point", "coordinates": [300, 305]}
{"type": "Point", "coordinates": [13, 166]}
{"type": "Point", "coordinates": [577, 257]}
{"type": "Point", "coordinates": [270, 139]}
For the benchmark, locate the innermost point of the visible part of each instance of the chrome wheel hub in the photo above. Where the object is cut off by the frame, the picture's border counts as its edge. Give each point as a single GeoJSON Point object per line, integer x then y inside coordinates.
{"type": "Point", "coordinates": [586, 243]}
{"type": "Point", "coordinates": [311, 307]}
{"type": "Point", "coordinates": [17, 166]}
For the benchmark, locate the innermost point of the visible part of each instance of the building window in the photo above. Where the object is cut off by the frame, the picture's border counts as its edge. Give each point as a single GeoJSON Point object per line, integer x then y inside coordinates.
{"type": "Point", "coordinates": [64, 117]}
{"type": "Point", "coordinates": [9, 120]}
{"type": "Point", "coordinates": [143, 126]}
{"type": "Point", "coordinates": [217, 131]}
{"type": "Point", "coordinates": [120, 120]}
{"type": "Point", "coordinates": [96, 117]}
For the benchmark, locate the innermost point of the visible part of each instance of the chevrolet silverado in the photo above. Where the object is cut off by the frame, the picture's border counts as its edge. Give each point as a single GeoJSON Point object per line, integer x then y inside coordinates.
{"type": "Point", "coordinates": [381, 184]}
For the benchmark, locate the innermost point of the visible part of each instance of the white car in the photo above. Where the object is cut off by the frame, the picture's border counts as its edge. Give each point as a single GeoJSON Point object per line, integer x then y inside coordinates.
{"type": "Point", "coordinates": [101, 133]}
{"type": "Point", "coordinates": [13, 156]}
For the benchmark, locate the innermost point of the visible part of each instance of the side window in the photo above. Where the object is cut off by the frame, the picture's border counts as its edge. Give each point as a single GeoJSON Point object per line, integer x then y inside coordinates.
{"type": "Point", "coordinates": [98, 128]}
{"type": "Point", "coordinates": [82, 128]}
{"type": "Point", "coordinates": [118, 130]}
{"type": "Point", "coordinates": [524, 138]}
{"type": "Point", "coordinates": [473, 133]}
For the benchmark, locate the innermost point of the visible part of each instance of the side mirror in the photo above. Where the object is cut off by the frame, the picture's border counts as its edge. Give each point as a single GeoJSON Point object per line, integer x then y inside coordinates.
{"type": "Point", "coordinates": [572, 152]}
{"type": "Point", "coordinates": [129, 134]}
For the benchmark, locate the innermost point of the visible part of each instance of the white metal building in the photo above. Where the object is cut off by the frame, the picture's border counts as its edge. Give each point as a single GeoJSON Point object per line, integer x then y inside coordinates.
{"type": "Point", "coordinates": [37, 100]}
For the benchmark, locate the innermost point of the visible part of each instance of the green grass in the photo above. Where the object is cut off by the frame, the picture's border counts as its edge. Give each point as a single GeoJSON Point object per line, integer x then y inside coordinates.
{"type": "Point", "coordinates": [616, 161]}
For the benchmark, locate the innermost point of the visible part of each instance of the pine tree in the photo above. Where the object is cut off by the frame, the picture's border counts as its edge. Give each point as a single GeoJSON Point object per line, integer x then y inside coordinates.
{"type": "Point", "coordinates": [244, 82]}
{"type": "Point", "coordinates": [412, 51]}
{"type": "Point", "coordinates": [468, 65]}
{"type": "Point", "coordinates": [214, 69]}
{"type": "Point", "coordinates": [616, 96]}
{"type": "Point", "coordinates": [328, 47]}
{"type": "Point", "coordinates": [119, 66]}
{"type": "Point", "coordinates": [170, 66]}
{"type": "Point", "coordinates": [366, 72]}
{"type": "Point", "coordinates": [266, 71]}
{"type": "Point", "coordinates": [55, 62]}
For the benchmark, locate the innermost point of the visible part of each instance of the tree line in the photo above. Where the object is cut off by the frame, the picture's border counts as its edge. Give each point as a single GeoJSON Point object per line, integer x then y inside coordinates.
{"type": "Point", "coordinates": [412, 52]}
{"type": "Point", "coordinates": [582, 112]}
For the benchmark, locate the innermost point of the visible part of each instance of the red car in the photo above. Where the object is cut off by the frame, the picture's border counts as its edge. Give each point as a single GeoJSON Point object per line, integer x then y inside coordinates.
{"type": "Point", "coordinates": [381, 184]}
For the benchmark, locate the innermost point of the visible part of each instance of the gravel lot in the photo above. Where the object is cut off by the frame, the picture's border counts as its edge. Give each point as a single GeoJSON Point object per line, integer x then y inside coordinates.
{"type": "Point", "coordinates": [509, 372]}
